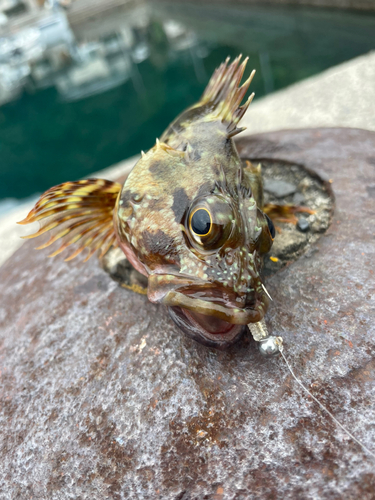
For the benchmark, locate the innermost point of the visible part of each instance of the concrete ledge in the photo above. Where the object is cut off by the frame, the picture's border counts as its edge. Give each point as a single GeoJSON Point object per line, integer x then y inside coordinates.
{"type": "Point", "coordinates": [342, 96]}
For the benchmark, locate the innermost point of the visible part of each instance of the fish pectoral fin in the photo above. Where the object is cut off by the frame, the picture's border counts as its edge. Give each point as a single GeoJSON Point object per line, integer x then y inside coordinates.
{"type": "Point", "coordinates": [285, 213]}
{"type": "Point", "coordinates": [119, 268]}
{"type": "Point", "coordinates": [77, 213]}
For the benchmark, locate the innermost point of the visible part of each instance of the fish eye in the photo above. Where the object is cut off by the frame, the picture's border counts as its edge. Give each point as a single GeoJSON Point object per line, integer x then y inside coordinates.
{"type": "Point", "coordinates": [271, 227]}
{"type": "Point", "coordinates": [209, 222]}
{"type": "Point", "coordinates": [201, 222]}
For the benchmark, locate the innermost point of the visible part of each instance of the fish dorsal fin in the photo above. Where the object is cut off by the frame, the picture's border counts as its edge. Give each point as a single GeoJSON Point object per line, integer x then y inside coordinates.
{"type": "Point", "coordinates": [79, 213]}
{"type": "Point", "coordinates": [225, 93]}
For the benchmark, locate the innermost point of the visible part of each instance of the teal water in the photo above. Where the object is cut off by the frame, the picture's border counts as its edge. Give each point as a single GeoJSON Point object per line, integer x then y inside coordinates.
{"type": "Point", "coordinates": [45, 138]}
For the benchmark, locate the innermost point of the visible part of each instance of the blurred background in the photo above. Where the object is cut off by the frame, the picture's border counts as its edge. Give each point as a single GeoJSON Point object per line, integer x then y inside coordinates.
{"type": "Point", "coordinates": [85, 84]}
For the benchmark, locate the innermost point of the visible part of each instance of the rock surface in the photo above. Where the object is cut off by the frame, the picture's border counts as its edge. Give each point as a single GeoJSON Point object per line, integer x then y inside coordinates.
{"type": "Point", "coordinates": [279, 189]}
{"type": "Point", "coordinates": [306, 190]}
{"type": "Point", "coordinates": [303, 225]}
{"type": "Point", "coordinates": [102, 397]}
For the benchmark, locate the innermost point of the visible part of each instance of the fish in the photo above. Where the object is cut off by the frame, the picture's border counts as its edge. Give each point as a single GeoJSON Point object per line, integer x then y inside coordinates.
{"type": "Point", "coordinates": [189, 217]}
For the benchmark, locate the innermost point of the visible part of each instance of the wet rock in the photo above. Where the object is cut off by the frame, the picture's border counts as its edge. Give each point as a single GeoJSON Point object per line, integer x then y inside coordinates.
{"type": "Point", "coordinates": [287, 245]}
{"type": "Point", "coordinates": [303, 225]}
{"type": "Point", "coordinates": [102, 397]}
{"type": "Point", "coordinates": [299, 199]}
{"type": "Point", "coordinates": [279, 188]}
{"type": "Point", "coordinates": [317, 196]}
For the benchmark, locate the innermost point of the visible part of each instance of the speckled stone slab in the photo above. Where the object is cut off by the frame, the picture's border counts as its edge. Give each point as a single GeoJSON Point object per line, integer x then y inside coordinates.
{"type": "Point", "coordinates": [101, 397]}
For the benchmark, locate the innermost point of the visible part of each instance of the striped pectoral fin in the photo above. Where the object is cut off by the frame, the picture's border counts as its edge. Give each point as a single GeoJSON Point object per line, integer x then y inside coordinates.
{"type": "Point", "coordinates": [285, 213]}
{"type": "Point", "coordinates": [77, 213]}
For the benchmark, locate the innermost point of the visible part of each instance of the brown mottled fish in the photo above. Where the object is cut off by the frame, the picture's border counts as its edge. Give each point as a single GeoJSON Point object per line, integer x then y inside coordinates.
{"type": "Point", "coordinates": [188, 217]}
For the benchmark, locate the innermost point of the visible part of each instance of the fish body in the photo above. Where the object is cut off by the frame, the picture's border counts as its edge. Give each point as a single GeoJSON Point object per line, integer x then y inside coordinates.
{"type": "Point", "coordinates": [188, 217]}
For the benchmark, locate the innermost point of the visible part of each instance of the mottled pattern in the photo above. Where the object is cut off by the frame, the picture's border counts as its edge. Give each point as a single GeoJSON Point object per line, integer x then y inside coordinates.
{"type": "Point", "coordinates": [196, 162]}
{"type": "Point", "coordinates": [180, 203]}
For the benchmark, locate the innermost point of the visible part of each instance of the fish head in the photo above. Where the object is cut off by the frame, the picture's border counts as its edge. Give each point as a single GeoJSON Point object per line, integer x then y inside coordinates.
{"type": "Point", "coordinates": [195, 230]}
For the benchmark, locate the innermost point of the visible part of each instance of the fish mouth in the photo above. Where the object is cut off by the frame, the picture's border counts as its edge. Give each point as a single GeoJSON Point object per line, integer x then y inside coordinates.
{"type": "Point", "coordinates": [212, 315]}
{"type": "Point", "coordinates": [207, 330]}
{"type": "Point", "coordinates": [210, 322]}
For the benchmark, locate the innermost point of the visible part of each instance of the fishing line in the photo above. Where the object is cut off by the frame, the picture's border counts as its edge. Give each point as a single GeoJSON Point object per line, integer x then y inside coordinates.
{"type": "Point", "coordinates": [279, 342]}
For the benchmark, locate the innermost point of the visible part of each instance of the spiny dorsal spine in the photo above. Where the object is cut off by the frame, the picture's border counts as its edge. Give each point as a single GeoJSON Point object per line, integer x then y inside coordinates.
{"type": "Point", "coordinates": [162, 146]}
